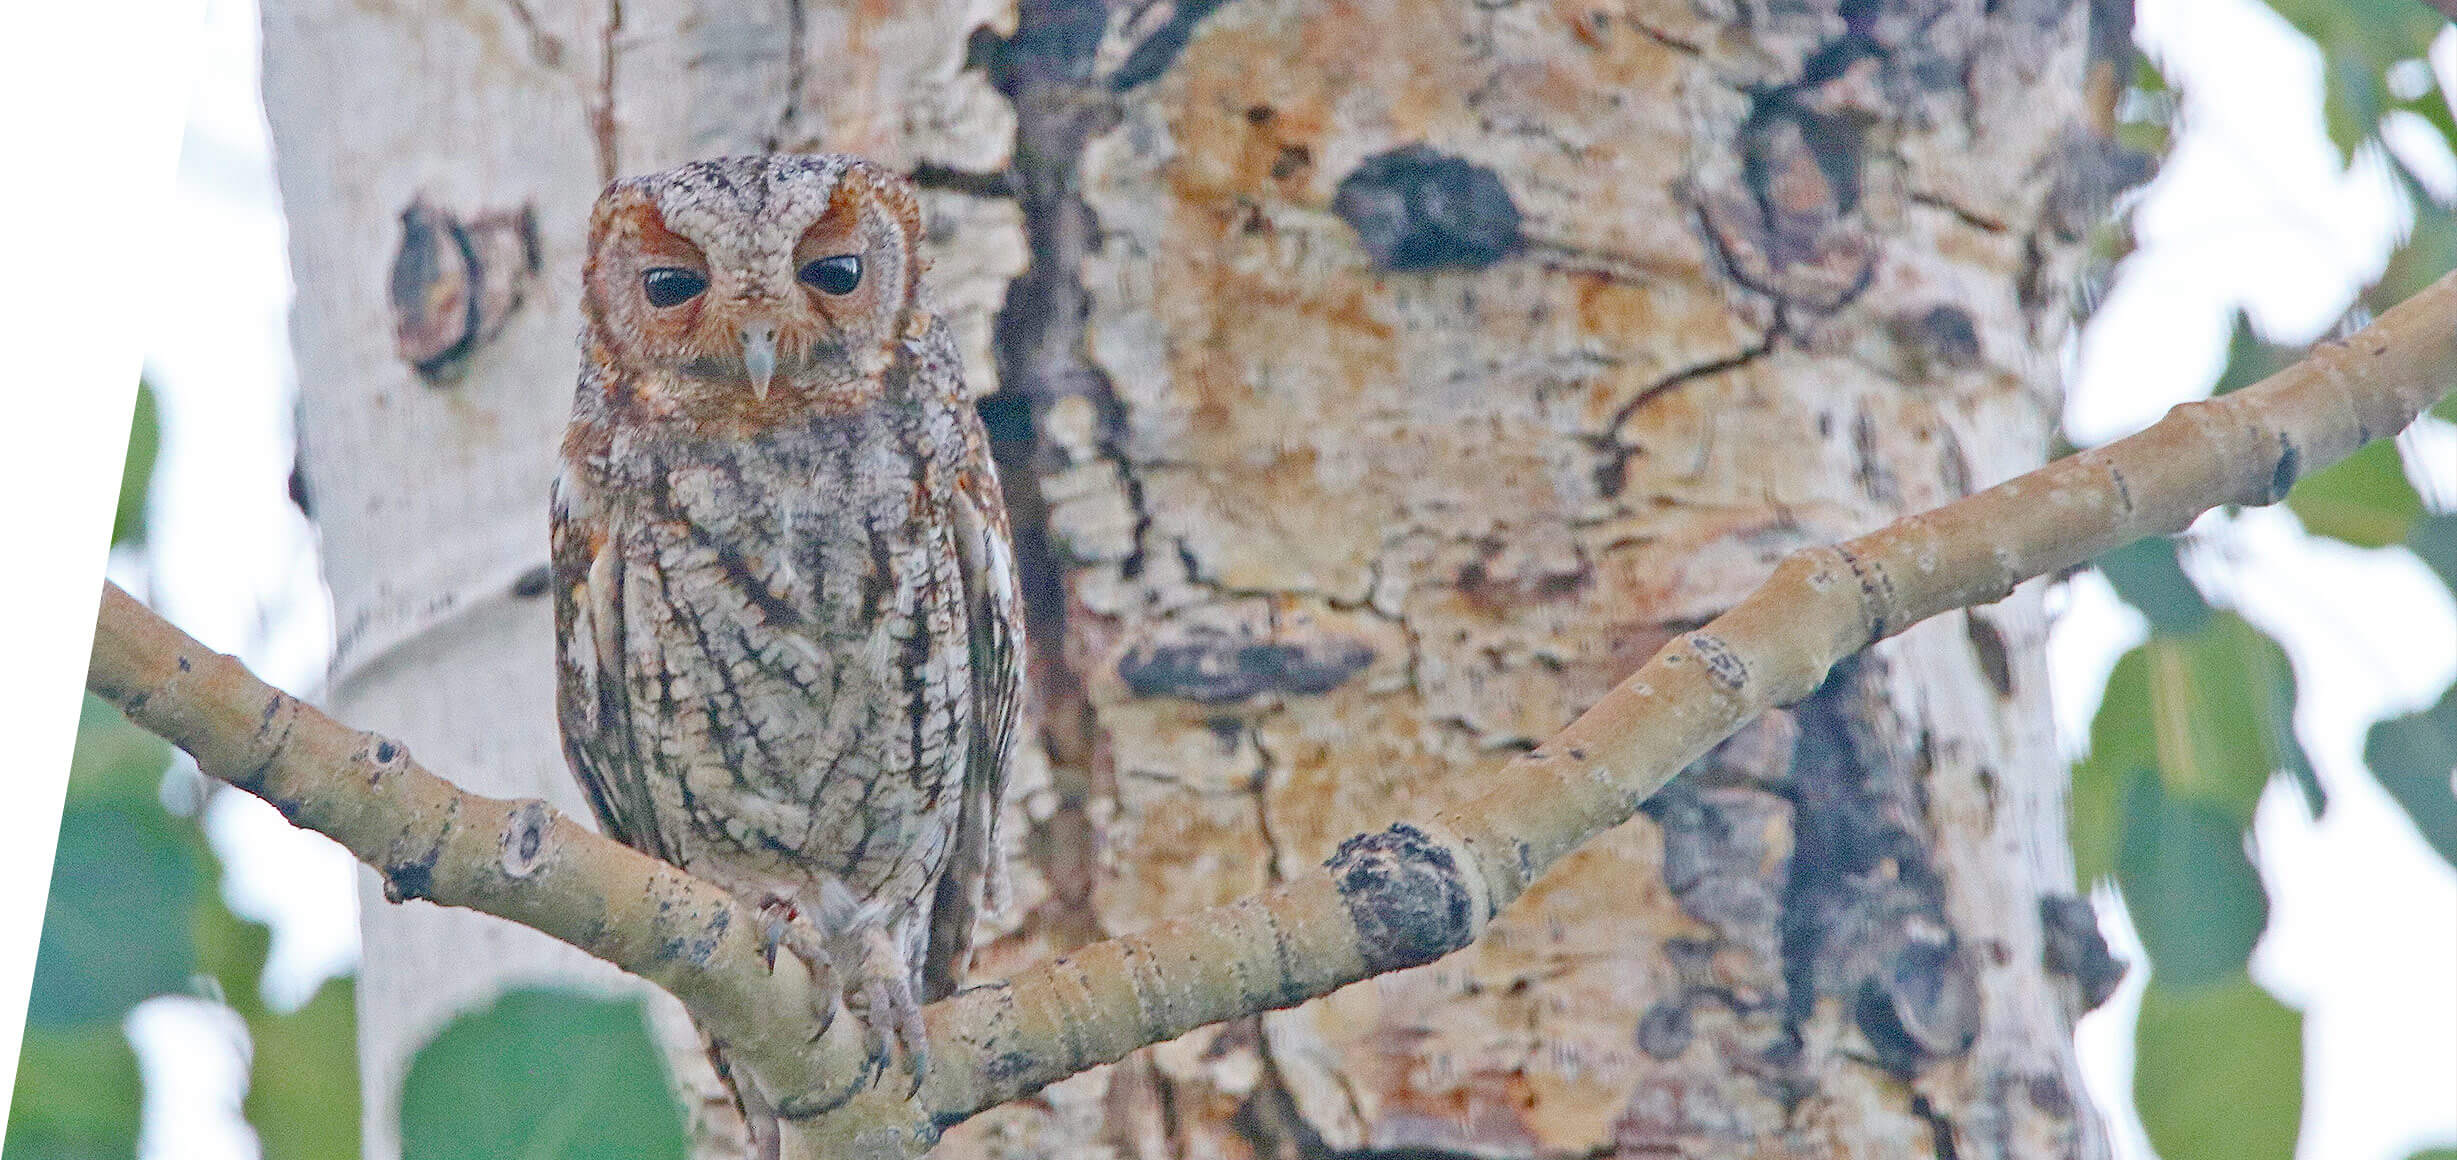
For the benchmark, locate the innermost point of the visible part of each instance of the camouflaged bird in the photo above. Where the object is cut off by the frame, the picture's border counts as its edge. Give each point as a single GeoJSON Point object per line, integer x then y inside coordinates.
{"type": "Point", "coordinates": [787, 619]}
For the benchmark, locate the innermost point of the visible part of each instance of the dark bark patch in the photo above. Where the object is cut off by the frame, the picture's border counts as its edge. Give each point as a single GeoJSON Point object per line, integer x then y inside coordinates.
{"type": "Point", "coordinates": [1218, 671]}
{"type": "Point", "coordinates": [1665, 1031]}
{"type": "Point", "coordinates": [1876, 481]}
{"type": "Point", "coordinates": [1405, 895]}
{"type": "Point", "coordinates": [1154, 54]}
{"type": "Point", "coordinates": [532, 584]}
{"type": "Point", "coordinates": [1953, 467]}
{"type": "Point", "coordinates": [1417, 209]}
{"type": "Point", "coordinates": [1988, 645]}
{"type": "Point", "coordinates": [2075, 948]}
{"type": "Point", "coordinates": [1934, 994]}
{"type": "Point", "coordinates": [1946, 335]}
{"type": "Point", "coordinates": [455, 283]}
{"type": "Point", "coordinates": [1863, 910]}
{"type": "Point", "coordinates": [2290, 465]}
{"type": "Point", "coordinates": [411, 877]}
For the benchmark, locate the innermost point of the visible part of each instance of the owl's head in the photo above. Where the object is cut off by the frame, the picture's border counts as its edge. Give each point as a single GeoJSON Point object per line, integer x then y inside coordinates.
{"type": "Point", "coordinates": [750, 285]}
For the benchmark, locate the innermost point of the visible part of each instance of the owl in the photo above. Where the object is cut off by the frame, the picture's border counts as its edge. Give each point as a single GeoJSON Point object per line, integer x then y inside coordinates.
{"type": "Point", "coordinates": [786, 610]}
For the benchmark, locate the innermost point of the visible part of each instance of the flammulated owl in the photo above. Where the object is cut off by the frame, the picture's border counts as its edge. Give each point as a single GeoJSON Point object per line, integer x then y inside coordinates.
{"type": "Point", "coordinates": [787, 616]}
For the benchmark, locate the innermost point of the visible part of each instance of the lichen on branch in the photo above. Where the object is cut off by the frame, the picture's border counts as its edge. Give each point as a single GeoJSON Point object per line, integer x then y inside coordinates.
{"type": "Point", "coordinates": [1387, 900]}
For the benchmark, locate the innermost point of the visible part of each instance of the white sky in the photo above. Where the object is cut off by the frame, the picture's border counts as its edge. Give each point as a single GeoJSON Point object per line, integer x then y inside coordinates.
{"type": "Point", "coordinates": [2252, 208]}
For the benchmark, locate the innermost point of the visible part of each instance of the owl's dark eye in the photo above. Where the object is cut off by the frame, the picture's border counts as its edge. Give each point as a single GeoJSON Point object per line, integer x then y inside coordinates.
{"type": "Point", "coordinates": [672, 285]}
{"type": "Point", "coordinates": [837, 275]}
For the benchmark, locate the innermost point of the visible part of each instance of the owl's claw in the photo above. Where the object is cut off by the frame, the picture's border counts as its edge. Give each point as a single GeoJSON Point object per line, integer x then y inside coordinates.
{"type": "Point", "coordinates": [783, 926]}
{"type": "Point", "coordinates": [890, 1003]}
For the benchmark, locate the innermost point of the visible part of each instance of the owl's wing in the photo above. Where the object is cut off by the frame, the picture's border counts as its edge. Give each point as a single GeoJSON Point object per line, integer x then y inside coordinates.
{"type": "Point", "coordinates": [994, 606]}
{"type": "Point", "coordinates": [592, 701]}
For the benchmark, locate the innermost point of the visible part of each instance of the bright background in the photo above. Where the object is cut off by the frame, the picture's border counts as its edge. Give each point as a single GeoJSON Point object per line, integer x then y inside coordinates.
{"type": "Point", "coordinates": [2253, 209]}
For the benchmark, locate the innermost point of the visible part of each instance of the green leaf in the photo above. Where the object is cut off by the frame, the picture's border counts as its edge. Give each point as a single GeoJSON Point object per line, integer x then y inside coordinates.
{"type": "Point", "coordinates": [302, 1092]}
{"type": "Point", "coordinates": [2358, 41]}
{"type": "Point", "coordinates": [2251, 358]}
{"type": "Point", "coordinates": [137, 477]}
{"type": "Point", "coordinates": [2434, 538]}
{"type": "Point", "coordinates": [2428, 250]}
{"type": "Point", "coordinates": [116, 931]}
{"type": "Point", "coordinates": [77, 1095]}
{"type": "Point", "coordinates": [2193, 893]}
{"type": "Point", "coordinates": [2415, 759]}
{"type": "Point", "coordinates": [2354, 97]}
{"type": "Point", "coordinates": [2364, 499]}
{"type": "Point", "coordinates": [2223, 710]}
{"type": "Point", "coordinates": [115, 762]}
{"type": "Point", "coordinates": [2147, 576]}
{"type": "Point", "coordinates": [2218, 1071]}
{"type": "Point", "coordinates": [2123, 750]}
{"type": "Point", "coordinates": [542, 1075]}
{"type": "Point", "coordinates": [2435, 1154]}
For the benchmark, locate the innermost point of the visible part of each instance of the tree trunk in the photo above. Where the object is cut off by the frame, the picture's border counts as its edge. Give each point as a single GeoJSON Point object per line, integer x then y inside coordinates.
{"type": "Point", "coordinates": [1381, 381]}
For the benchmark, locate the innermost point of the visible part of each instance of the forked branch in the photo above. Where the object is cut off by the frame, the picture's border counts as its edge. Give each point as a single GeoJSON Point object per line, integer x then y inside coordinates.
{"type": "Point", "coordinates": [1387, 900]}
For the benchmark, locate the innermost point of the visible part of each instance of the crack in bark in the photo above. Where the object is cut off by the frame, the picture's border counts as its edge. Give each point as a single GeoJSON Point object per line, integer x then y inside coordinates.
{"type": "Point", "coordinates": [601, 115]}
{"type": "Point", "coordinates": [797, 31]}
{"type": "Point", "coordinates": [1612, 474]}
{"type": "Point", "coordinates": [1969, 217]}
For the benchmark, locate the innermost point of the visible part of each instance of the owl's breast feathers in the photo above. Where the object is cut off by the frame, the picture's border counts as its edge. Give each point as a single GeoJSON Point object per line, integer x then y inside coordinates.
{"type": "Point", "coordinates": [790, 655]}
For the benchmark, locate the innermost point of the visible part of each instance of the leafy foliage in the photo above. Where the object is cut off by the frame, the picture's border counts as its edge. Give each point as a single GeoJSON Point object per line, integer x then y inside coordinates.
{"type": "Point", "coordinates": [2415, 758]}
{"type": "Point", "coordinates": [137, 475]}
{"type": "Point", "coordinates": [135, 912]}
{"type": "Point", "coordinates": [2198, 718]}
{"type": "Point", "coordinates": [2218, 1071]}
{"type": "Point", "coordinates": [545, 1075]}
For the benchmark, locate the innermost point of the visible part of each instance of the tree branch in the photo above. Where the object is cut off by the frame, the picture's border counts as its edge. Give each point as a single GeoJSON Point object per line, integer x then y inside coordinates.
{"type": "Point", "coordinates": [1393, 899]}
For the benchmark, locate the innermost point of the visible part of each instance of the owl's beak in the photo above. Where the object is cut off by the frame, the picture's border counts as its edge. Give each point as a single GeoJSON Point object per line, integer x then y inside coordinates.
{"type": "Point", "coordinates": [759, 356]}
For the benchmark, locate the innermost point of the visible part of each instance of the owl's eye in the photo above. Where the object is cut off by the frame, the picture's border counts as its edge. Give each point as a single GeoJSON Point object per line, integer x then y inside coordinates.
{"type": "Point", "coordinates": [672, 285]}
{"type": "Point", "coordinates": [837, 275]}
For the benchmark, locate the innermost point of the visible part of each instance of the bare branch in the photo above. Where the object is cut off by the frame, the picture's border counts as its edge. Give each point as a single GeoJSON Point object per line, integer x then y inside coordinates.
{"type": "Point", "coordinates": [1388, 900]}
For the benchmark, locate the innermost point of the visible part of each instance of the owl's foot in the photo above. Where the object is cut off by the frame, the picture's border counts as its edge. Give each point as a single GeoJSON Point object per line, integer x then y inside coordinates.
{"type": "Point", "coordinates": [850, 952]}
{"type": "Point", "coordinates": [890, 1003]}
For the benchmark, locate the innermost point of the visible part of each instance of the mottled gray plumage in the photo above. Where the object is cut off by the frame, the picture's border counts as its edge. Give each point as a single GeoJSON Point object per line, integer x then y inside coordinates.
{"type": "Point", "coordinates": [787, 614]}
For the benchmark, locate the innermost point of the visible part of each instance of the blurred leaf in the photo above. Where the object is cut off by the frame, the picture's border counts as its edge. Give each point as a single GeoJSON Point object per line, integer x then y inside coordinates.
{"type": "Point", "coordinates": [2415, 759]}
{"type": "Point", "coordinates": [2429, 249]}
{"type": "Point", "coordinates": [542, 1075]}
{"type": "Point", "coordinates": [2363, 499]}
{"type": "Point", "coordinates": [116, 931]}
{"type": "Point", "coordinates": [2193, 893]}
{"type": "Point", "coordinates": [232, 950]}
{"type": "Point", "coordinates": [302, 1094]}
{"type": "Point", "coordinates": [2123, 750]}
{"type": "Point", "coordinates": [115, 761]}
{"type": "Point", "coordinates": [2223, 706]}
{"type": "Point", "coordinates": [2251, 358]}
{"type": "Point", "coordinates": [2435, 1154]}
{"type": "Point", "coordinates": [2359, 40]}
{"type": "Point", "coordinates": [2147, 576]}
{"type": "Point", "coordinates": [124, 883]}
{"type": "Point", "coordinates": [137, 477]}
{"type": "Point", "coordinates": [2353, 99]}
{"type": "Point", "coordinates": [2434, 538]}
{"type": "Point", "coordinates": [2218, 1071]}
{"type": "Point", "coordinates": [76, 1097]}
